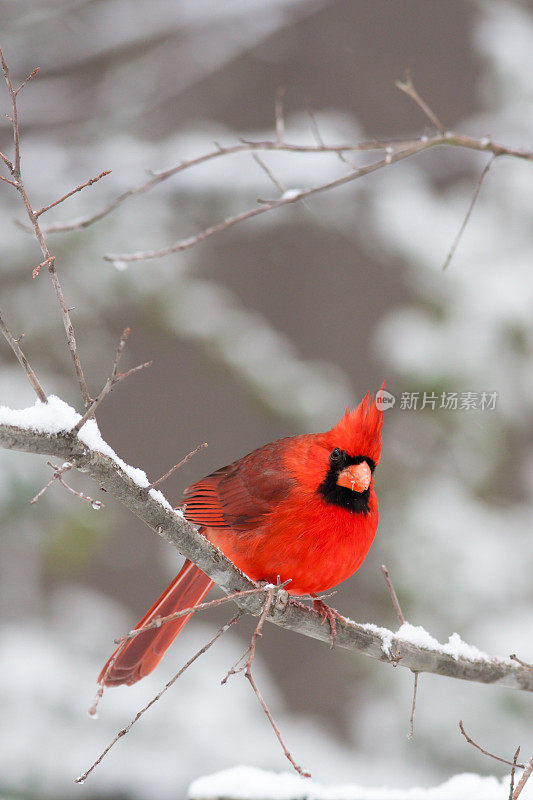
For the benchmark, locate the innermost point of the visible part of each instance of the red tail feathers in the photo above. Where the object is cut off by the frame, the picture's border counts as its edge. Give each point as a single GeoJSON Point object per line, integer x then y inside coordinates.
{"type": "Point", "coordinates": [140, 655]}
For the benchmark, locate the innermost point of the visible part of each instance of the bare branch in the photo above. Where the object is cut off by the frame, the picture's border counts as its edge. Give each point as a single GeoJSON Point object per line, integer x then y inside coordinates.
{"type": "Point", "coordinates": [13, 343]}
{"type": "Point", "coordinates": [524, 779]}
{"type": "Point", "coordinates": [401, 620]}
{"type": "Point", "coordinates": [486, 752]}
{"type": "Point", "coordinates": [45, 263]}
{"type": "Point", "coordinates": [7, 180]}
{"type": "Point", "coordinates": [157, 622]}
{"type": "Point", "coordinates": [268, 172]}
{"type": "Point", "coordinates": [114, 378]}
{"type": "Point", "coordinates": [82, 778]}
{"type": "Point", "coordinates": [514, 657]}
{"type": "Point", "coordinates": [28, 79]}
{"type": "Point", "coordinates": [449, 139]}
{"type": "Point", "coordinates": [375, 642]}
{"type": "Point", "coordinates": [248, 672]}
{"type": "Point", "coordinates": [411, 733]}
{"type": "Point", "coordinates": [513, 770]}
{"type": "Point", "coordinates": [58, 476]}
{"type": "Point", "coordinates": [73, 191]}
{"type": "Point", "coordinates": [7, 162]}
{"type": "Point", "coordinates": [290, 196]}
{"type": "Point", "coordinates": [15, 171]}
{"type": "Point", "coordinates": [393, 596]}
{"type": "Point", "coordinates": [475, 196]}
{"type": "Point", "coordinates": [177, 466]}
{"type": "Point", "coordinates": [318, 136]}
{"type": "Point", "coordinates": [280, 119]}
{"type": "Point", "coordinates": [58, 471]}
{"type": "Point", "coordinates": [408, 88]}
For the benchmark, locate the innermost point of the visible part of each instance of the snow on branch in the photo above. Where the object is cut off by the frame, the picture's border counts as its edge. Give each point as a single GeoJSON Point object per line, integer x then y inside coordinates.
{"type": "Point", "coordinates": [45, 429]}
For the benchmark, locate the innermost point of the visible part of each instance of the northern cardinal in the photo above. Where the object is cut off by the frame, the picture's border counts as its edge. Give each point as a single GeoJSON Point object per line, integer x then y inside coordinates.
{"type": "Point", "coordinates": [302, 509]}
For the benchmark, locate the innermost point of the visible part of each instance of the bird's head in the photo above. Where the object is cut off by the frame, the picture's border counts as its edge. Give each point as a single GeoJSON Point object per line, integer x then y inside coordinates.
{"type": "Point", "coordinates": [353, 449]}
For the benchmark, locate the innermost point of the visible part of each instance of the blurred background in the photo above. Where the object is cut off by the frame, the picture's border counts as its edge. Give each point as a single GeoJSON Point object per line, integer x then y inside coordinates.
{"type": "Point", "coordinates": [266, 330]}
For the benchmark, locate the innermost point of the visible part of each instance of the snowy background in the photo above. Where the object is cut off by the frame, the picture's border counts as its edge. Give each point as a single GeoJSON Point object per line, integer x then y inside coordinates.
{"type": "Point", "coordinates": [267, 330]}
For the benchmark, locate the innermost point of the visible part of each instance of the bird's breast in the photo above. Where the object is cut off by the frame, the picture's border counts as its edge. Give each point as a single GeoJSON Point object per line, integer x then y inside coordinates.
{"type": "Point", "coordinates": [313, 545]}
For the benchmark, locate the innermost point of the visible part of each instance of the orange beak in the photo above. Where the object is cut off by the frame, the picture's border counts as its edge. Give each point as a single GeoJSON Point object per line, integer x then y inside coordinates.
{"type": "Point", "coordinates": [357, 477]}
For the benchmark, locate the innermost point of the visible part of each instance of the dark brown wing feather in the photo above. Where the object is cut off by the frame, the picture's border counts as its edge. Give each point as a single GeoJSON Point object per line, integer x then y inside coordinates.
{"type": "Point", "coordinates": [240, 495]}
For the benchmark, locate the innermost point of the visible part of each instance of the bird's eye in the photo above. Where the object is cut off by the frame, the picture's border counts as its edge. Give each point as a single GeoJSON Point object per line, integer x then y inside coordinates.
{"type": "Point", "coordinates": [336, 456]}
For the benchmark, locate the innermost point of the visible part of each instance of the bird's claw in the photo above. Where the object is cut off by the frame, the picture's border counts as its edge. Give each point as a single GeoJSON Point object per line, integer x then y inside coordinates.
{"type": "Point", "coordinates": [332, 615]}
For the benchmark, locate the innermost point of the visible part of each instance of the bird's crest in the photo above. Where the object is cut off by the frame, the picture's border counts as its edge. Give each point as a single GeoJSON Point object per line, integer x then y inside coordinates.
{"type": "Point", "coordinates": [359, 430]}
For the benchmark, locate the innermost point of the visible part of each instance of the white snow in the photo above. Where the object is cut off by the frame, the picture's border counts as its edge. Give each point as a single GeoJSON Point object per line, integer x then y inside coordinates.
{"type": "Point", "coordinates": [416, 634]}
{"type": "Point", "coordinates": [291, 194]}
{"type": "Point", "coordinates": [255, 784]}
{"type": "Point", "coordinates": [56, 416]}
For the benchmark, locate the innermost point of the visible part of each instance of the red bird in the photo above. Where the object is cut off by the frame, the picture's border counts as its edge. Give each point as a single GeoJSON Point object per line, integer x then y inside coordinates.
{"type": "Point", "coordinates": [302, 508]}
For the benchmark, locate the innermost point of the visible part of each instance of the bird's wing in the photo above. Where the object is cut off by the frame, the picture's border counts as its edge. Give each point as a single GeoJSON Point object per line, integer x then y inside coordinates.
{"type": "Point", "coordinates": [240, 495]}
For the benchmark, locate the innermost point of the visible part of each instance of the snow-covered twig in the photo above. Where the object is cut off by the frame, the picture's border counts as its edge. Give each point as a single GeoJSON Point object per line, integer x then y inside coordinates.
{"type": "Point", "coordinates": [44, 429]}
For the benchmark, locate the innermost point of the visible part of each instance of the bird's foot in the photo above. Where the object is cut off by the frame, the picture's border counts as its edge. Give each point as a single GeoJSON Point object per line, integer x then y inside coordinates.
{"type": "Point", "coordinates": [332, 615]}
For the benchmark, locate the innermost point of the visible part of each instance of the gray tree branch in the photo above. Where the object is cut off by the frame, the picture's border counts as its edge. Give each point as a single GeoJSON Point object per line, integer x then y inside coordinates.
{"type": "Point", "coordinates": [377, 643]}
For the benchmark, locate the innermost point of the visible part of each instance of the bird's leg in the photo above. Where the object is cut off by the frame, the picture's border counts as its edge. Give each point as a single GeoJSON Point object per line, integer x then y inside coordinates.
{"type": "Point", "coordinates": [331, 614]}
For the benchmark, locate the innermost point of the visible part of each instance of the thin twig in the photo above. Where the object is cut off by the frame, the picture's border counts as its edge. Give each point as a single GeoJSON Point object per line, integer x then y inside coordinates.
{"type": "Point", "coordinates": [486, 752]}
{"type": "Point", "coordinates": [397, 658]}
{"type": "Point", "coordinates": [114, 378]}
{"type": "Point", "coordinates": [73, 191]}
{"type": "Point", "coordinates": [139, 714]}
{"type": "Point", "coordinates": [318, 136]}
{"type": "Point", "coordinates": [288, 197]}
{"type": "Point", "coordinates": [96, 504]}
{"type": "Point", "coordinates": [514, 657]}
{"type": "Point", "coordinates": [393, 596]}
{"type": "Point", "coordinates": [475, 196]}
{"type": "Point", "coordinates": [248, 672]}
{"type": "Point", "coordinates": [524, 779]}
{"type": "Point", "coordinates": [28, 79]}
{"type": "Point", "coordinates": [408, 88]}
{"type": "Point", "coordinates": [13, 343]}
{"type": "Point", "coordinates": [16, 174]}
{"type": "Point", "coordinates": [411, 733]}
{"type": "Point", "coordinates": [157, 622]}
{"type": "Point", "coordinates": [58, 476]}
{"type": "Point", "coordinates": [513, 770]}
{"type": "Point", "coordinates": [176, 466]}
{"type": "Point", "coordinates": [58, 471]}
{"type": "Point", "coordinates": [36, 270]}
{"type": "Point", "coordinates": [268, 172]}
{"type": "Point", "coordinates": [157, 176]}
{"type": "Point", "coordinates": [278, 111]}
{"type": "Point", "coordinates": [233, 669]}
{"type": "Point", "coordinates": [7, 180]}
{"type": "Point", "coordinates": [246, 146]}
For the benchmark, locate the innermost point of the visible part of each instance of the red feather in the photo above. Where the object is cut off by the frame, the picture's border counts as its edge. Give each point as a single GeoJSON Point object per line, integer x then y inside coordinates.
{"type": "Point", "coordinates": [267, 513]}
